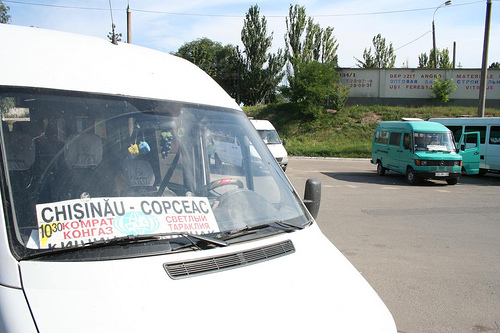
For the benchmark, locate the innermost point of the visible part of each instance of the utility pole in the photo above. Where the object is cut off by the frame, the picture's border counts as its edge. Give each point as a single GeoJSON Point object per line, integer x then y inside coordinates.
{"type": "Point", "coordinates": [129, 24]}
{"type": "Point", "coordinates": [454, 53]}
{"type": "Point", "coordinates": [484, 66]}
{"type": "Point", "coordinates": [446, 3]}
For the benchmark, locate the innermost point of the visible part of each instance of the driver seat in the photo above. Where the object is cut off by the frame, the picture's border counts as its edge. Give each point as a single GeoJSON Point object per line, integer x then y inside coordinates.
{"type": "Point", "coordinates": [137, 179]}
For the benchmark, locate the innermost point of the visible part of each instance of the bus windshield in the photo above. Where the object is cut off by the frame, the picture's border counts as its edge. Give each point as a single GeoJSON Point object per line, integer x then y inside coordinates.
{"type": "Point", "coordinates": [82, 168]}
{"type": "Point", "coordinates": [434, 142]}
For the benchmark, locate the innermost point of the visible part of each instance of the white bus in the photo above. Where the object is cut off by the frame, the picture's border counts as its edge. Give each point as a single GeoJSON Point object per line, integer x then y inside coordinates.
{"type": "Point", "coordinates": [113, 220]}
{"type": "Point", "coordinates": [489, 130]}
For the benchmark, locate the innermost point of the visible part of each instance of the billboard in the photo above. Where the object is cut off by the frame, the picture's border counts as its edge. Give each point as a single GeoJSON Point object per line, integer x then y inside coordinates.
{"type": "Point", "coordinates": [416, 83]}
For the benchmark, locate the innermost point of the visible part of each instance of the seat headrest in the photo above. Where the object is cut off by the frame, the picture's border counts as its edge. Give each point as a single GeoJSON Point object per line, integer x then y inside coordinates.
{"type": "Point", "coordinates": [138, 173]}
{"type": "Point", "coordinates": [83, 151]}
{"type": "Point", "coordinates": [20, 151]}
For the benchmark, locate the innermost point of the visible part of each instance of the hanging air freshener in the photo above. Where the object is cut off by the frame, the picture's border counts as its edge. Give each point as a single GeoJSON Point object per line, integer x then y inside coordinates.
{"type": "Point", "coordinates": [134, 149]}
{"type": "Point", "coordinates": [144, 146]}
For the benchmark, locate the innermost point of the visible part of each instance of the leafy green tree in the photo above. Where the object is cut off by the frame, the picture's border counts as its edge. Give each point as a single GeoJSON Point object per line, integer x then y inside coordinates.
{"type": "Point", "coordinates": [423, 60]}
{"type": "Point", "coordinates": [202, 52]}
{"type": "Point", "coordinates": [295, 25]}
{"type": "Point", "coordinates": [222, 63]}
{"type": "Point", "coordinates": [383, 56]}
{"type": "Point", "coordinates": [495, 65]}
{"type": "Point", "coordinates": [311, 52]}
{"type": "Point", "coordinates": [261, 71]}
{"type": "Point", "coordinates": [369, 60]}
{"type": "Point", "coordinates": [316, 88]}
{"type": "Point", "coordinates": [443, 59]}
{"type": "Point", "coordinates": [4, 16]}
{"type": "Point", "coordinates": [307, 41]}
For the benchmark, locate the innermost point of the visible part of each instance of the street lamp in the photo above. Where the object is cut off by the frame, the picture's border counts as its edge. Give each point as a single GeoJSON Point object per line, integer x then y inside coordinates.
{"type": "Point", "coordinates": [447, 3]}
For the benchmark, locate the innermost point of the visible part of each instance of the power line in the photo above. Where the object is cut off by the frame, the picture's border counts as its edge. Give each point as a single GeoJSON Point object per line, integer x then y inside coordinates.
{"type": "Point", "coordinates": [234, 16]}
{"type": "Point", "coordinates": [412, 41]}
{"type": "Point", "coordinates": [54, 6]}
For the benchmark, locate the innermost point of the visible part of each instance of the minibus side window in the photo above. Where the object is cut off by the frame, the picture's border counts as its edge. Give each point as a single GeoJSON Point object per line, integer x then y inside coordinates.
{"type": "Point", "coordinates": [395, 139]}
{"type": "Point", "coordinates": [480, 129]}
{"type": "Point", "coordinates": [471, 141]}
{"type": "Point", "coordinates": [457, 132]}
{"type": "Point", "coordinates": [382, 137]}
{"type": "Point", "coordinates": [494, 135]}
{"type": "Point", "coordinates": [407, 141]}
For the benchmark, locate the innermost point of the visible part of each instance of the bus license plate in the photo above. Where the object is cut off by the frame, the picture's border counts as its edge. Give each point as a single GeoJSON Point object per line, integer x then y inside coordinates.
{"type": "Point", "coordinates": [442, 174]}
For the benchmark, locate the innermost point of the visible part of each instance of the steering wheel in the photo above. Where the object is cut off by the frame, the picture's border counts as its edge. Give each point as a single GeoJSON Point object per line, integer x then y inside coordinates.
{"type": "Point", "coordinates": [223, 182]}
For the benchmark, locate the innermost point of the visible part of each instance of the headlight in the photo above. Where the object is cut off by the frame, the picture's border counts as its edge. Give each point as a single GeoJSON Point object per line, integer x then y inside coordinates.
{"type": "Point", "coordinates": [457, 163]}
{"type": "Point", "coordinates": [421, 162]}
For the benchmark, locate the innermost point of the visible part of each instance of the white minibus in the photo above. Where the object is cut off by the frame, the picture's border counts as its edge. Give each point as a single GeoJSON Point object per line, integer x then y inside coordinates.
{"type": "Point", "coordinates": [271, 138]}
{"type": "Point", "coordinates": [489, 130]}
{"type": "Point", "coordinates": [114, 220]}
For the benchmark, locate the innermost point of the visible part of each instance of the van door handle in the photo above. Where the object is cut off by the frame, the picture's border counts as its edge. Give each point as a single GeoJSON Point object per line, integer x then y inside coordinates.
{"type": "Point", "coordinates": [399, 151]}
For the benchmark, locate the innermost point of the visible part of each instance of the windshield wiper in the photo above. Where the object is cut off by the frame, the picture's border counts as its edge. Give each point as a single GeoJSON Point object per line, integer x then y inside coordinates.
{"type": "Point", "coordinates": [131, 239]}
{"type": "Point", "coordinates": [280, 225]}
{"type": "Point", "coordinates": [152, 237]}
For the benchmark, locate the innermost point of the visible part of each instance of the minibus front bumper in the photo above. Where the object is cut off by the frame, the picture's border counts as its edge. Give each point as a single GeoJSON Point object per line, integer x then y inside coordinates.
{"type": "Point", "coordinates": [438, 174]}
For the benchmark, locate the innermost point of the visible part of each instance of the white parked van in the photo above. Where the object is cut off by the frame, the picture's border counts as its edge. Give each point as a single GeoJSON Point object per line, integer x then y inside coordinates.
{"type": "Point", "coordinates": [271, 138]}
{"type": "Point", "coordinates": [114, 220]}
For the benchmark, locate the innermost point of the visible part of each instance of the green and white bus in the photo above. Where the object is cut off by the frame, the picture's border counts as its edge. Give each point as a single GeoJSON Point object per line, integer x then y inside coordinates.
{"type": "Point", "coordinates": [420, 150]}
{"type": "Point", "coordinates": [489, 130]}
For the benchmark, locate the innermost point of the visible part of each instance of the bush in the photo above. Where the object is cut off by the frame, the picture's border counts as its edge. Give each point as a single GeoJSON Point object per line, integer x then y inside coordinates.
{"type": "Point", "coordinates": [442, 89]}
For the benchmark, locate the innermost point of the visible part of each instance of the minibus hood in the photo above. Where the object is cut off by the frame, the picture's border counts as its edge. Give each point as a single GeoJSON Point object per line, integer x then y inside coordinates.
{"type": "Point", "coordinates": [313, 289]}
{"type": "Point", "coordinates": [436, 155]}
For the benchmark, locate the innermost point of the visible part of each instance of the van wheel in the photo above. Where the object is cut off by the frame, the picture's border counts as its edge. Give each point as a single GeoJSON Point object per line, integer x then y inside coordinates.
{"type": "Point", "coordinates": [380, 169]}
{"type": "Point", "coordinates": [452, 181]}
{"type": "Point", "coordinates": [411, 176]}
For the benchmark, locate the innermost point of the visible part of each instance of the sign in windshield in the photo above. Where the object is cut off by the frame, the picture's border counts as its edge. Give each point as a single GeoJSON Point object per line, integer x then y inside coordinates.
{"type": "Point", "coordinates": [77, 222]}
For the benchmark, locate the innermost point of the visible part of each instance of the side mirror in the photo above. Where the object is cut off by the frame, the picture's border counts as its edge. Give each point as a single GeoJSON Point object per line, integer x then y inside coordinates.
{"type": "Point", "coordinates": [312, 196]}
{"type": "Point", "coordinates": [284, 142]}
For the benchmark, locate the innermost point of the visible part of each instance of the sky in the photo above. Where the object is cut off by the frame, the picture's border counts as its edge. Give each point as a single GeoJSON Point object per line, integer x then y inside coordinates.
{"type": "Point", "coordinates": [166, 25]}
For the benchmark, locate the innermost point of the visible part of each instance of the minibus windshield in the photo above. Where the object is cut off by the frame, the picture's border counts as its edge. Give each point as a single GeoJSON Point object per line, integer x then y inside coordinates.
{"type": "Point", "coordinates": [270, 136]}
{"type": "Point", "coordinates": [82, 169]}
{"type": "Point", "coordinates": [434, 142]}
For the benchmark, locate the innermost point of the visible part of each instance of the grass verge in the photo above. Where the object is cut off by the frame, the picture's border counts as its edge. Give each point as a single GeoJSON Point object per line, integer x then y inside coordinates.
{"type": "Point", "coordinates": [344, 133]}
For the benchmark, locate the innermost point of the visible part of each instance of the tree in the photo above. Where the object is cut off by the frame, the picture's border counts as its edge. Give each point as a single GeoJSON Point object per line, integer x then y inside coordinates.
{"type": "Point", "coordinates": [261, 71]}
{"type": "Point", "coordinates": [316, 45]}
{"type": "Point", "coordinates": [310, 50]}
{"type": "Point", "coordinates": [4, 16]}
{"type": "Point", "coordinates": [443, 59]}
{"type": "Point", "coordinates": [118, 36]}
{"type": "Point", "coordinates": [316, 87]}
{"type": "Point", "coordinates": [202, 52]}
{"type": "Point", "coordinates": [423, 60]}
{"type": "Point", "coordinates": [220, 62]}
{"type": "Point", "coordinates": [495, 65]}
{"type": "Point", "coordinates": [383, 56]}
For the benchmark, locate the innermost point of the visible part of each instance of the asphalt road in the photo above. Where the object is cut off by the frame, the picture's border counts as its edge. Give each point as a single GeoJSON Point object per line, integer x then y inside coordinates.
{"type": "Point", "coordinates": [431, 251]}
